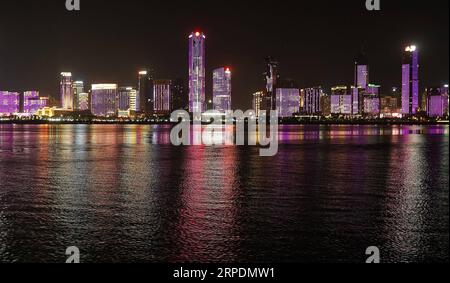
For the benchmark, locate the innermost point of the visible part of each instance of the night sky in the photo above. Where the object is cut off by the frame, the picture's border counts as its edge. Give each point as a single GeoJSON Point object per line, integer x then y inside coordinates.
{"type": "Point", "coordinates": [315, 44]}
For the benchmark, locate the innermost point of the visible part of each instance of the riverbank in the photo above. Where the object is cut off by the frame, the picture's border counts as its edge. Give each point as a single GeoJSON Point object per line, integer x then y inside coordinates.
{"type": "Point", "coordinates": [316, 122]}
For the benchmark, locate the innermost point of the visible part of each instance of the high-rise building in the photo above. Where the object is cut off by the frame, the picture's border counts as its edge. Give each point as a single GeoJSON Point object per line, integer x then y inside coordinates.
{"type": "Point", "coordinates": [145, 91]}
{"type": "Point", "coordinates": [197, 72]}
{"type": "Point", "coordinates": [437, 102]}
{"type": "Point", "coordinates": [180, 95]}
{"type": "Point", "coordinates": [410, 81]}
{"type": "Point", "coordinates": [357, 94]}
{"type": "Point", "coordinates": [66, 91]}
{"type": "Point", "coordinates": [389, 106]}
{"type": "Point", "coordinates": [32, 102]}
{"type": "Point", "coordinates": [9, 103]}
{"type": "Point", "coordinates": [222, 89]}
{"type": "Point", "coordinates": [341, 101]}
{"type": "Point", "coordinates": [272, 78]}
{"type": "Point", "coordinates": [361, 71]}
{"type": "Point", "coordinates": [125, 97]}
{"type": "Point", "coordinates": [257, 103]}
{"type": "Point", "coordinates": [83, 101]}
{"type": "Point", "coordinates": [311, 100]}
{"type": "Point", "coordinates": [162, 96]}
{"type": "Point", "coordinates": [372, 100]}
{"type": "Point", "coordinates": [371, 106]}
{"type": "Point", "coordinates": [104, 100]}
{"type": "Point", "coordinates": [287, 101]}
{"type": "Point", "coordinates": [78, 88]}
{"type": "Point", "coordinates": [325, 102]}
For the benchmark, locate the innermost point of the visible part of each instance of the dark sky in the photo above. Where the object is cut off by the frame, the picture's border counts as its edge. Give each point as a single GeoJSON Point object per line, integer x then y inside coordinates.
{"type": "Point", "coordinates": [315, 42]}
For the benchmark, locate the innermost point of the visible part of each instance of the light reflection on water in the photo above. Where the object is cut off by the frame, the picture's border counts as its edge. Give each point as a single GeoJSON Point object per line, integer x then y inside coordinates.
{"type": "Point", "coordinates": [123, 193]}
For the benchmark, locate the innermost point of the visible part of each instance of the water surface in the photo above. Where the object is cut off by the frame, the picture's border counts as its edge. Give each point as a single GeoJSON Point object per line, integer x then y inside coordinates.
{"type": "Point", "coordinates": [125, 194]}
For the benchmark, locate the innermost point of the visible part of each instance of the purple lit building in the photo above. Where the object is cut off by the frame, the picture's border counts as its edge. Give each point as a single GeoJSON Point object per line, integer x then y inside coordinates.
{"type": "Point", "coordinates": [66, 91]}
{"type": "Point", "coordinates": [372, 101]}
{"type": "Point", "coordinates": [361, 71]}
{"type": "Point", "coordinates": [9, 103]}
{"type": "Point", "coordinates": [410, 81]}
{"type": "Point", "coordinates": [357, 94]}
{"type": "Point", "coordinates": [197, 73]}
{"type": "Point", "coordinates": [371, 106]}
{"type": "Point", "coordinates": [437, 102]}
{"type": "Point", "coordinates": [104, 100]}
{"type": "Point", "coordinates": [222, 89]}
{"type": "Point", "coordinates": [361, 79]}
{"type": "Point", "coordinates": [123, 98]}
{"type": "Point", "coordinates": [287, 101]}
{"type": "Point", "coordinates": [272, 83]}
{"type": "Point", "coordinates": [32, 102]}
{"type": "Point", "coordinates": [341, 101]}
{"type": "Point", "coordinates": [162, 96]}
{"type": "Point", "coordinates": [311, 100]}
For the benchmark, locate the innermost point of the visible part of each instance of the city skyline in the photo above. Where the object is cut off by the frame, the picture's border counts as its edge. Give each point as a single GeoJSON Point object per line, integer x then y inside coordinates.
{"type": "Point", "coordinates": [158, 97]}
{"type": "Point", "coordinates": [307, 56]}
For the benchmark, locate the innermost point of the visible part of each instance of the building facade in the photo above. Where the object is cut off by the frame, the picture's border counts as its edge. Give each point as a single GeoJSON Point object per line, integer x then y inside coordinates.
{"type": "Point", "coordinates": [124, 98]}
{"type": "Point", "coordinates": [437, 102]}
{"type": "Point", "coordinates": [341, 101]}
{"type": "Point", "coordinates": [78, 89]}
{"type": "Point", "coordinates": [257, 102]}
{"type": "Point", "coordinates": [104, 100]}
{"type": "Point", "coordinates": [162, 96]}
{"type": "Point", "coordinates": [222, 89]}
{"type": "Point", "coordinates": [180, 95]}
{"type": "Point", "coordinates": [32, 102]}
{"type": "Point", "coordinates": [197, 73]}
{"type": "Point", "coordinates": [9, 103]}
{"type": "Point", "coordinates": [310, 100]}
{"type": "Point", "coordinates": [410, 81]}
{"type": "Point", "coordinates": [66, 91]}
{"type": "Point", "coordinates": [83, 101]}
{"type": "Point", "coordinates": [287, 101]}
{"type": "Point", "coordinates": [145, 93]}
{"type": "Point", "coordinates": [272, 77]}
{"type": "Point", "coordinates": [389, 106]}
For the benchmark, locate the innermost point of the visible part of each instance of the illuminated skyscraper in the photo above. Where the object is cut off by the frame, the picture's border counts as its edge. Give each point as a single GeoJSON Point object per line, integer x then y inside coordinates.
{"type": "Point", "coordinates": [357, 94]}
{"type": "Point", "coordinates": [124, 98]}
{"type": "Point", "coordinates": [83, 101]}
{"type": "Point", "coordinates": [145, 90]}
{"type": "Point", "coordinates": [272, 77]}
{"type": "Point", "coordinates": [104, 100]}
{"type": "Point", "coordinates": [258, 98]}
{"type": "Point", "coordinates": [197, 96]}
{"type": "Point", "coordinates": [361, 71]}
{"type": "Point", "coordinates": [361, 78]}
{"type": "Point", "coordinates": [162, 96]}
{"type": "Point", "coordinates": [32, 102]}
{"type": "Point", "coordinates": [127, 99]}
{"type": "Point", "coordinates": [9, 103]}
{"type": "Point", "coordinates": [410, 81]}
{"type": "Point", "coordinates": [437, 102]}
{"type": "Point", "coordinates": [372, 100]}
{"type": "Point", "coordinates": [78, 88]}
{"type": "Point", "coordinates": [341, 101]}
{"type": "Point", "coordinates": [66, 91]}
{"type": "Point", "coordinates": [222, 89]}
{"type": "Point", "coordinates": [311, 100]}
{"type": "Point", "coordinates": [287, 101]}
{"type": "Point", "coordinates": [180, 95]}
